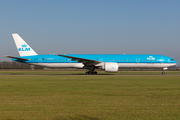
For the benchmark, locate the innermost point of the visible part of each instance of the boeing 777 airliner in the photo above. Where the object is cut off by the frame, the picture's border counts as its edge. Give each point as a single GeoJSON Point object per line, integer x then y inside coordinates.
{"type": "Point", "coordinates": [106, 62]}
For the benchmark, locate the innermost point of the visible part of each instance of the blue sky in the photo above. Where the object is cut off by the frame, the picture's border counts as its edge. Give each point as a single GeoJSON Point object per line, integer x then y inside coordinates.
{"type": "Point", "coordinates": [92, 26]}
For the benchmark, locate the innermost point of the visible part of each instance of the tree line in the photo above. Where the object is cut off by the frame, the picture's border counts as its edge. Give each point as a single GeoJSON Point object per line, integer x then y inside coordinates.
{"type": "Point", "coordinates": [16, 65]}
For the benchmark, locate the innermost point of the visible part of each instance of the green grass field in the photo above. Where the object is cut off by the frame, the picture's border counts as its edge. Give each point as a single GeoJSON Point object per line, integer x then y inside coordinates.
{"type": "Point", "coordinates": [88, 97]}
{"type": "Point", "coordinates": [80, 72]}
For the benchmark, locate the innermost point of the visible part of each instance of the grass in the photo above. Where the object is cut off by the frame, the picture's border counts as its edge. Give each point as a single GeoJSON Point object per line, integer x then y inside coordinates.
{"type": "Point", "coordinates": [79, 72]}
{"type": "Point", "coordinates": [89, 97]}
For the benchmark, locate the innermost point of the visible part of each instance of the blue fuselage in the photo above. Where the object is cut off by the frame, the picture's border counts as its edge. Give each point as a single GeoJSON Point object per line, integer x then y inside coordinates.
{"type": "Point", "coordinates": [117, 58]}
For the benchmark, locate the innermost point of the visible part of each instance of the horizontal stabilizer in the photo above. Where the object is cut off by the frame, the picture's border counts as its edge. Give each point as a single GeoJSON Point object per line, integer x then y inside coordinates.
{"type": "Point", "coordinates": [17, 58]}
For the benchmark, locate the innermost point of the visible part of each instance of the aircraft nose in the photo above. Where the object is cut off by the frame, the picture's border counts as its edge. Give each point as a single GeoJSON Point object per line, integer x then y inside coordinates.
{"type": "Point", "coordinates": [174, 62]}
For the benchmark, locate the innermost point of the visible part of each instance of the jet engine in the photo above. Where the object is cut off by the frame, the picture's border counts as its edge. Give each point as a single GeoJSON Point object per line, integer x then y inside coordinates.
{"type": "Point", "coordinates": [110, 67]}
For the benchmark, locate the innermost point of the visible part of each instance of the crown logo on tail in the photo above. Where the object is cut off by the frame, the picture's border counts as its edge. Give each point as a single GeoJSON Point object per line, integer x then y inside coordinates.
{"type": "Point", "coordinates": [24, 45]}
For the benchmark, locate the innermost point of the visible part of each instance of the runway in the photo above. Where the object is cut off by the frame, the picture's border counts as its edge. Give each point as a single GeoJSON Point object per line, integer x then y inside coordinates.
{"type": "Point", "coordinates": [89, 75]}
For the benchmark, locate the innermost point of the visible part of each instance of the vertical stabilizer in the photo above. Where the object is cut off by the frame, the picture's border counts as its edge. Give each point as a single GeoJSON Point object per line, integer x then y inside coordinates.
{"type": "Point", "coordinates": [23, 48]}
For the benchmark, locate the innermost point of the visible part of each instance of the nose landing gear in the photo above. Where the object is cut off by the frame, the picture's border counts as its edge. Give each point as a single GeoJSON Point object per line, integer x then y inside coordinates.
{"type": "Point", "coordinates": [163, 73]}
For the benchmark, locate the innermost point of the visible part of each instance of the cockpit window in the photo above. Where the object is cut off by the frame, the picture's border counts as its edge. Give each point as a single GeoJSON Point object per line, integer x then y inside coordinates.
{"type": "Point", "coordinates": [172, 59]}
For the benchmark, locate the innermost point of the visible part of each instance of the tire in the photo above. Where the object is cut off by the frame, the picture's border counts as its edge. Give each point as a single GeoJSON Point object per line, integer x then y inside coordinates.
{"type": "Point", "coordinates": [95, 73]}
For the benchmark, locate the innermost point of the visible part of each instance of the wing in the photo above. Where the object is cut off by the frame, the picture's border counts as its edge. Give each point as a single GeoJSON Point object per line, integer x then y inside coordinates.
{"type": "Point", "coordinates": [17, 58]}
{"type": "Point", "coordinates": [86, 62]}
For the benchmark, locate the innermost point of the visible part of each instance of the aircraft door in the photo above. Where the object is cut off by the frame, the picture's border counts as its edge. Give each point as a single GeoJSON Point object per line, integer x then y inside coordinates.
{"type": "Point", "coordinates": [137, 60]}
{"type": "Point", "coordinates": [101, 59]}
{"type": "Point", "coordinates": [162, 60]}
{"type": "Point", "coordinates": [69, 60]}
{"type": "Point", "coordinates": [39, 60]}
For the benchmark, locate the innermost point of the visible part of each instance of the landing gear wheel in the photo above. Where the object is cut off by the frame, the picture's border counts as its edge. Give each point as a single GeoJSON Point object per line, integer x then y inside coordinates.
{"type": "Point", "coordinates": [91, 73]}
{"type": "Point", "coordinates": [94, 73]}
{"type": "Point", "coordinates": [88, 73]}
{"type": "Point", "coordinates": [163, 73]}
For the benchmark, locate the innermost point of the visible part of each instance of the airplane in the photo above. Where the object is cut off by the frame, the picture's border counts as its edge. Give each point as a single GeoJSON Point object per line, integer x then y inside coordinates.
{"type": "Point", "coordinates": [106, 62]}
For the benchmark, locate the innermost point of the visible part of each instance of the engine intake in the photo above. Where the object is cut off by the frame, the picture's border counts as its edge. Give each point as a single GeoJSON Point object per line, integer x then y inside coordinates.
{"type": "Point", "coordinates": [111, 67]}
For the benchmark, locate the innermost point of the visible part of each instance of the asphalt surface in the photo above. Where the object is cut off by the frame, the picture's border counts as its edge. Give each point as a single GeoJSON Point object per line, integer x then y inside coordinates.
{"type": "Point", "coordinates": [93, 75]}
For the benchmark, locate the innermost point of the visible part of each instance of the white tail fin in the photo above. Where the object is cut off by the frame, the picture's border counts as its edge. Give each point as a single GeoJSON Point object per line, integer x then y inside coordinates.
{"type": "Point", "coordinates": [23, 48]}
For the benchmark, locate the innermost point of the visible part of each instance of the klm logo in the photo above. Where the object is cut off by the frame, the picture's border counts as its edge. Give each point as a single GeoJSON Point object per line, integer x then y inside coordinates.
{"type": "Point", "coordinates": [112, 68]}
{"type": "Point", "coordinates": [151, 58]}
{"type": "Point", "coordinates": [24, 48]}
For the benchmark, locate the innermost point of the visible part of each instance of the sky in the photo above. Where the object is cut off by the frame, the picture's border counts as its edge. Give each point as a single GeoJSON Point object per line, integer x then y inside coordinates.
{"type": "Point", "coordinates": [92, 26]}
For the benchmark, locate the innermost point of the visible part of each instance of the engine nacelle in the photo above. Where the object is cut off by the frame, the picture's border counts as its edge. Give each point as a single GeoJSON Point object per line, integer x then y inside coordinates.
{"type": "Point", "coordinates": [111, 67]}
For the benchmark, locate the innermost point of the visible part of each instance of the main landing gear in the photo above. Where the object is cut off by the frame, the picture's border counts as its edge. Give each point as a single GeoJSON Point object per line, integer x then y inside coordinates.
{"type": "Point", "coordinates": [163, 73]}
{"type": "Point", "coordinates": [91, 71]}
